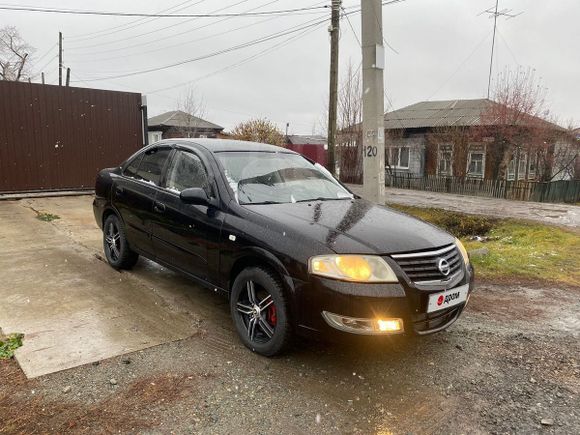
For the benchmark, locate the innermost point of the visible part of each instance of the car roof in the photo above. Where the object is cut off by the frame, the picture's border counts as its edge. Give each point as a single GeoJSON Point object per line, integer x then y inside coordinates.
{"type": "Point", "coordinates": [230, 145]}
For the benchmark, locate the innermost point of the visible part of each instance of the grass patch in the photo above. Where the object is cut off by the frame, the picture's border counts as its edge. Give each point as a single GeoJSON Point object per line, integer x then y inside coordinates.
{"type": "Point", "coordinates": [47, 217]}
{"type": "Point", "coordinates": [517, 249]}
{"type": "Point", "coordinates": [8, 344]}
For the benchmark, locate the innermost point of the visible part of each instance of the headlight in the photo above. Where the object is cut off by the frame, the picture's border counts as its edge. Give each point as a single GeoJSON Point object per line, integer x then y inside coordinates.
{"type": "Point", "coordinates": [354, 268]}
{"type": "Point", "coordinates": [463, 251]}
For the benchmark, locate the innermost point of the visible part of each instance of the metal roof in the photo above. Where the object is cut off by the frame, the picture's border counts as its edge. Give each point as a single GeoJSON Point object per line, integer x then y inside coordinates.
{"type": "Point", "coordinates": [449, 113]}
{"type": "Point", "coordinates": [178, 118]}
{"type": "Point", "coordinates": [296, 139]}
{"type": "Point", "coordinates": [430, 114]}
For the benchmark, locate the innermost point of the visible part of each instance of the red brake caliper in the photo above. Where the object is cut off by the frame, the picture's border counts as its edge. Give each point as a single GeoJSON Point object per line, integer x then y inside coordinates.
{"type": "Point", "coordinates": [271, 315]}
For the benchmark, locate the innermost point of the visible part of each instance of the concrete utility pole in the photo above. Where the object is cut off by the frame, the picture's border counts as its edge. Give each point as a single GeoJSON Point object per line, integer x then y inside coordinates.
{"type": "Point", "coordinates": [334, 31]}
{"type": "Point", "coordinates": [373, 55]}
{"type": "Point", "coordinates": [67, 76]}
{"type": "Point", "coordinates": [60, 58]}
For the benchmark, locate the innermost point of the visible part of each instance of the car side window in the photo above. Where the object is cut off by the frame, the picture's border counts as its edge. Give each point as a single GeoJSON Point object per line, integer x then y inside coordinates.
{"type": "Point", "coordinates": [133, 166]}
{"type": "Point", "coordinates": [151, 166]}
{"type": "Point", "coordinates": [186, 171]}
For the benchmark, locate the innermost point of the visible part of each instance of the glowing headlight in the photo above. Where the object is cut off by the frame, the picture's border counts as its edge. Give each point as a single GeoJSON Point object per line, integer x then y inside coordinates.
{"type": "Point", "coordinates": [463, 251]}
{"type": "Point", "coordinates": [355, 268]}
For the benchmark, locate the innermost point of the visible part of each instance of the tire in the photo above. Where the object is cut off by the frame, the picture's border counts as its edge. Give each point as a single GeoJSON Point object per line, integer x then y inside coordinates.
{"type": "Point", "coordinates": [119, 254]}
{"type": "Point", "coordinates": [272, 330]}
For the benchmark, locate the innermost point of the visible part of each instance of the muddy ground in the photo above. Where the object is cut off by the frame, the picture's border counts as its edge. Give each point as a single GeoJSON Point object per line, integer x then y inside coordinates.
{"type": "Point", "coordinates": [509, 365]}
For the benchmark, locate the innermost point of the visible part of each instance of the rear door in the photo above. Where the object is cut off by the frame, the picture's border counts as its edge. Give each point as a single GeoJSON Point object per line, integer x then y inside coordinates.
{"type": "Point", "coordinates": [134, 194]}
{"type": "Point", "coordinates": [183, 234]}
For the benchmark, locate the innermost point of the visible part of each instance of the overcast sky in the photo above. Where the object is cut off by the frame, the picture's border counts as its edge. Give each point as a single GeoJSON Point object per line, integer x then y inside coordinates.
{"type": "Point", "coordinates": [442, 52]}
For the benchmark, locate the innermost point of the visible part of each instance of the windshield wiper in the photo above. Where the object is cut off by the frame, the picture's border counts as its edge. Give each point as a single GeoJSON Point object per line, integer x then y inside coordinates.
{"type": "Point", "coordinates": [322, 198]}
{"type": "Point", "coordinates": [262, 203]}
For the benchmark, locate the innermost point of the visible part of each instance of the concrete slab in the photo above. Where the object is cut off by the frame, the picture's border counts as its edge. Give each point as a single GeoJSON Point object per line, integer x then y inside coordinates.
{"type": "Point", "coordinates": [72, 307]}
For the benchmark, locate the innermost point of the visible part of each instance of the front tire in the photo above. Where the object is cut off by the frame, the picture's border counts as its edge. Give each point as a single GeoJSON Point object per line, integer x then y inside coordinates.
{"type": "Point", "coordinates": [260, 311]}
{"type": "Point", "coordinates": [117, 251]}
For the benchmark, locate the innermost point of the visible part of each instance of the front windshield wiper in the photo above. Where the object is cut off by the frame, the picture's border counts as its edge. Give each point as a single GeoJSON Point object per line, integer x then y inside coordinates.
{"type": "Point", "coordinates": [322, 198]}
{"type": "Point", "coordinates": [262, 203]}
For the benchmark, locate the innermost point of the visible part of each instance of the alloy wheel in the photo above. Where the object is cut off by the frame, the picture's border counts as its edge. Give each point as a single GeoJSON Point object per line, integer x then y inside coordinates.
{"type": "Point", "coordinates": [257, 310]}
{"type": "Point", "coordinates": [113, 241]}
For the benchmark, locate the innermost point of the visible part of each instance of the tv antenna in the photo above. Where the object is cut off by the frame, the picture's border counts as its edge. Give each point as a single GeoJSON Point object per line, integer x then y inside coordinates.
{"type": "Point", "coordinates": [494, 13]}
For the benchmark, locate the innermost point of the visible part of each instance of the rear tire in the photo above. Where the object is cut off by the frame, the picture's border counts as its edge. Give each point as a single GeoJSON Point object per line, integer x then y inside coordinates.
{"type": "Point", "coordinates": [117, 251]}
{"type": "Point", "coordinates": [260, 311]}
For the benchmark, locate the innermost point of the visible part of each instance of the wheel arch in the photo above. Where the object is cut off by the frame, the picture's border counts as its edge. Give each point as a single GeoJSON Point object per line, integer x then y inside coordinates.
{"type": "Point", "coordinates": [258, 257]}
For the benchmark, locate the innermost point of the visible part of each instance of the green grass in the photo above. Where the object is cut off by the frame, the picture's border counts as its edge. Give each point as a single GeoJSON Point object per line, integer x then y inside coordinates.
{"type": "Point", "coordinates": [47, 217]}
{"type": "Point", "coordinates": [517, 249]}
{"type": "Point", "coordinates": [8, 344]}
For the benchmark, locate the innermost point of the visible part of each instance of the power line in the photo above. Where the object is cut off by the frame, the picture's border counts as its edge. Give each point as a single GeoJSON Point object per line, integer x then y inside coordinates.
{"type": "Point", "coordinates": [171, 26]}
{"type": "Point", "coordinates": [137, 14]}
{"type": "Point", "coordinates": [159, 39]}
{"type": "Point", "coordinates": [129, 25]}
{"type": "Point", "coordinates": [216, 53]}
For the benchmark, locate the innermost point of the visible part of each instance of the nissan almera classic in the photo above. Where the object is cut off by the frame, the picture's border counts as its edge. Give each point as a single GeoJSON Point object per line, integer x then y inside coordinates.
{"type": "Point", "coordinates": [294, 250]}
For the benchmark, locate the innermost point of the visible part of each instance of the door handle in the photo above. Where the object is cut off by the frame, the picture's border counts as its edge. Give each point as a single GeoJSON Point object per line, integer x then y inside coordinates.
{"type": "Point", "coordinates": [119, 190]}
{"type": "Point", "coordinates": [159, 207]}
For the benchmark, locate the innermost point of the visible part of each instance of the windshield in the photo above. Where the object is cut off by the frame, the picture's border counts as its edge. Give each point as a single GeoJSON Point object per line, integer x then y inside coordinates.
{"type": "Point", "coordinates": [275, 178]}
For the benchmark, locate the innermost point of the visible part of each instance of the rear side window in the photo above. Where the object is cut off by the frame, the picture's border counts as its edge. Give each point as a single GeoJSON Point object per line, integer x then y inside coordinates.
{"type": "Point", "coordinates": [151, 166]}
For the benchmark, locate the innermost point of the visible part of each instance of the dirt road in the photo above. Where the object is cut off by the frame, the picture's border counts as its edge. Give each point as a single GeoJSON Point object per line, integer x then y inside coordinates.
{"type": "Point", "coordinates": [566, 215]}
{"type": "Point", "coordinates": [509, 365]}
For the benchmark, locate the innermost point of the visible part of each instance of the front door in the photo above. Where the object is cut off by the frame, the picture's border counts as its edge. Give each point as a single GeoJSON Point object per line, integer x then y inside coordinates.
{"type": "Point", "coordinates": [183, 234]}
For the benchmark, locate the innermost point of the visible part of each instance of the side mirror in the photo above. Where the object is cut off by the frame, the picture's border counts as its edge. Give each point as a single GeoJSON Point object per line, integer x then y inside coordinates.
{"type": "Point", "coordinates": [195, 196]}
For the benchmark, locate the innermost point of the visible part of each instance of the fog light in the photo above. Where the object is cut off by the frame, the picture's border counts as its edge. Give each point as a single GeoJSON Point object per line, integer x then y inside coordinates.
{"type": "Point", "coordinates": [363, 326]}
{"type": "Point", "coordinates": [390, 325]}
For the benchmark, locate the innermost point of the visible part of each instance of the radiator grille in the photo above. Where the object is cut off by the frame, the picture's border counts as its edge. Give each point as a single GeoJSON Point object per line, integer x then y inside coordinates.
{"type": "Point", "coordinates": [427, 266]}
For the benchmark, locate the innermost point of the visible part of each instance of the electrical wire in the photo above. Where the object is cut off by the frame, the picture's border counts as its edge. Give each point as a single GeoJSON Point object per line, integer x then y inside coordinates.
{"type": "Point", "coordinates": [136, 14]}
{"type": "Point", "coordinates": [159, 39]}
{"type": "Point", "coordinates": [123, 27]}
{"type": "Point", "coordinates": [219, 52]}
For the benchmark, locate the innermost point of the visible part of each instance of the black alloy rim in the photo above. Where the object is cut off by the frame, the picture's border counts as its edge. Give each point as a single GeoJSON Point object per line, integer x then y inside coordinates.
{"type": "Point", "coordinates": [257, 310]}
{"type": "Point", "coordinates": [113, 241]}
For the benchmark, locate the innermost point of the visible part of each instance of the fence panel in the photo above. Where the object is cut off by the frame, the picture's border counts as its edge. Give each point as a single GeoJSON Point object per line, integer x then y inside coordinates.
{"type": "Point", "coordinates": [555, 191]}
{"type": "Point", "coordinates": [56, 137]}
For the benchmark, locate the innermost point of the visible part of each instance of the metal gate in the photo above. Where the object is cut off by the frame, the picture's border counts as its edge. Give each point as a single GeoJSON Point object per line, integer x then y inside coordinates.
{"type": "Point", "coordinates": [58, 138]}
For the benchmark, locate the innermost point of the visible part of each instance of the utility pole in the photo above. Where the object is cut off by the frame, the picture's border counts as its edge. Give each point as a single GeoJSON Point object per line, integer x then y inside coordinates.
{"type": "Point", "coordinates": [67, 76]}
{"type": "Point", "coordinates": [334, 31]}
{"type": "Point", "coordinates": [60, 58]}
{"type": "Point", "coordinates": [373, 132]}
{"type": "Point", "coordinates": [42, 76]}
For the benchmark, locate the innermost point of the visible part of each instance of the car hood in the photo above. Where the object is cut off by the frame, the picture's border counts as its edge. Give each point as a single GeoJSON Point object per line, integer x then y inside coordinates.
{"type": "Point", "coordinates": [355, 226]}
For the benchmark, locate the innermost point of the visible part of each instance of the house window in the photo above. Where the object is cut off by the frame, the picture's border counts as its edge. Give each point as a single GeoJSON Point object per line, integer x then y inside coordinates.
{"type": "Point", "coordinates": [445, 160]}
{"type": "Point", "coordinates": [532, 168]}
{"type": "Point", "coordinates": [475, 164]}
{"type": "Point", "coordinates": [400, 157]}
{"type": "Point", "coordinates": [511, 173]}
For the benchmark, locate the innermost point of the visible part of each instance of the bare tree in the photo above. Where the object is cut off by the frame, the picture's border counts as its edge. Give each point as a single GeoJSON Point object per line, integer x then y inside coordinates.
{"type": "Point", "coordinates": [14, 55]}
{"type": "Point", "coordinates": [258, 130]}
{"type": "Point", "coordinates": [191, 103]}
{"type": "Point", "coordinates": [517, 122]}
{"type": "Point", "coordinates": [349, 131]}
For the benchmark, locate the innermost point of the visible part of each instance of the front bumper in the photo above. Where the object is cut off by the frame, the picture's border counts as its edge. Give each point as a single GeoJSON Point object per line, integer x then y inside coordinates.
{"type": "Point", "coordinates": [403, 300]}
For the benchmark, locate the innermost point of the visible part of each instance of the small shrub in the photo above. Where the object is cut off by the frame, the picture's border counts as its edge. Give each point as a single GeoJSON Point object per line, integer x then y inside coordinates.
{"type": "Point", "coordinates": [466, 225]}
{"type": "Point", "coordinates": [9, 344]}
{"type": "Point", "coordinates": [47, 217]}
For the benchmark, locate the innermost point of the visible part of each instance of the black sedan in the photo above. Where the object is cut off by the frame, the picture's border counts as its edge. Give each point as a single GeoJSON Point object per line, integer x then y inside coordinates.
{"type": "Point", "coordinates": [295, 251]}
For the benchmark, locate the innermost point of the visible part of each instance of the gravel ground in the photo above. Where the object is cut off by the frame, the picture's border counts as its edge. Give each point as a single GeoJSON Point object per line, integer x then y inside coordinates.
{"type": "Point", "coordinates": [509, 365]}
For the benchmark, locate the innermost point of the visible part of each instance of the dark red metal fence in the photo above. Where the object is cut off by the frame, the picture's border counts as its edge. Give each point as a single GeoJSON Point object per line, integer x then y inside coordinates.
{"type": "Point", "coordinates": [56, 138]}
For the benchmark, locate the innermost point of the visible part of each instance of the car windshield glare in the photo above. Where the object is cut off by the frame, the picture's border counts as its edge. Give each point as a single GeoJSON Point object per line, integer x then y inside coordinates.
{"type": "Point", "coordinates": [278, 177]}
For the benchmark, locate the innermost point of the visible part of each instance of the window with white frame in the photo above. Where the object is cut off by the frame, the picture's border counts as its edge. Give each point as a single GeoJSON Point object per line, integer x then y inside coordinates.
{"type": "Point", "coordinates": [400, 157]}
{"type": "Point", "coordinates": [475, 164]}
{"type": "Point", "coordinates": [522, 164]}
{"type": "Point", "coordinates": [445, 160]}
{"type": "Point", "coordinates": [532, 167]}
